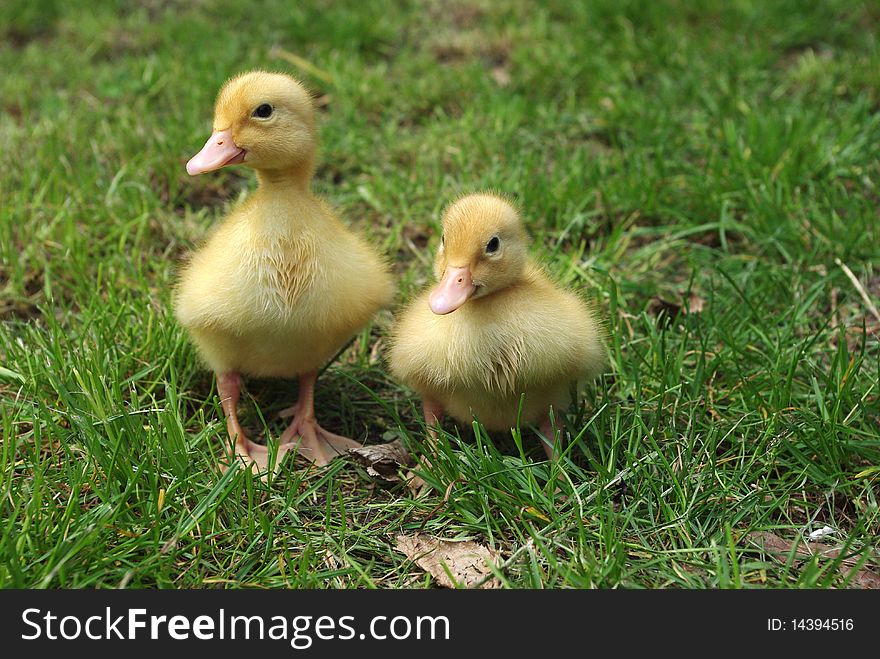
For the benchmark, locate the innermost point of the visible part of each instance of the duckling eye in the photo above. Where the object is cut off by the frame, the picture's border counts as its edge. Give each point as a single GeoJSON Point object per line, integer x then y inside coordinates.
{"type": "Point", "coordinates": [493, 245]}
{"type": "Point", "coordinates": [263, 111]}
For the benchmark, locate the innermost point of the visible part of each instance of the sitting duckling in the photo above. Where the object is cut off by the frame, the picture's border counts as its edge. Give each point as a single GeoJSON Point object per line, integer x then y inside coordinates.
{"type": "Point", "coordinates": [281, 285]}
{"type": "Point", "coordinates": [495, 327]}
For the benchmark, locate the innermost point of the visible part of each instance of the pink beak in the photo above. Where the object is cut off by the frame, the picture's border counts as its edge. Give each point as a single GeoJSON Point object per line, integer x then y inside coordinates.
{"type": "Point", "coordinates": [453, 291]}
{"type": "Point", "coordinates": [220, 150]}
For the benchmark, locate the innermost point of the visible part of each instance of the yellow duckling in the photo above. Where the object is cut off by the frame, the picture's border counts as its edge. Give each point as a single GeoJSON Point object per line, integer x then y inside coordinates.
{"type": "Point", "coordinates": [281, 284]}
{"type": "Point", "coordinates": [494, 328]}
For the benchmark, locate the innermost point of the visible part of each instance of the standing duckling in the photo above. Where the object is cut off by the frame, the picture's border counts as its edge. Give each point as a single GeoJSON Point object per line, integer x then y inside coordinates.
{"type": "Point", "coordinates": [494, 328]}
{"type": "Point", "coordinates": [281, 284]}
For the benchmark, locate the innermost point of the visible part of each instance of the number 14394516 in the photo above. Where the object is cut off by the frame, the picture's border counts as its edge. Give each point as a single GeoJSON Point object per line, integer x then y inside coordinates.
{"type": "Point", "coordinates": [810, 624]}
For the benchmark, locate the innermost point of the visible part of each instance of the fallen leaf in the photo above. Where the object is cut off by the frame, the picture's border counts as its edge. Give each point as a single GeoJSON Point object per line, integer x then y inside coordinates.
{"type": "Point", "coordinates": [416, 485]}
{"type": "Point", "coordinates": [467, 562]}
{"type": "Point", "coordinates": [665, 311]}
{"type": "Point", "coordinates": [668, 312]}
{"type": "Point", "coordinates": [695, 304]}
{"type": "Point", "coordinates": [383, 460]}
{"type": "Point", "coordinates": [772, 543]}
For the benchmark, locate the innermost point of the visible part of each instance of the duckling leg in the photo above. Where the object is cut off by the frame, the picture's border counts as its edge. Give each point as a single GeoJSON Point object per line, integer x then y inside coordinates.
{"type": "Point", "coordinates": [315, 444]}
{"type": "Point", "coordinates": [433, 412]}
{"type": "Point", "coordinates": [548, 441]}
{"type": "Point", "coordinates": [229, 389]}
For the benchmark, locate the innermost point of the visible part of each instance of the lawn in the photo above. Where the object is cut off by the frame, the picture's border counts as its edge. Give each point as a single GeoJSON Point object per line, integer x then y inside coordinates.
{"type": "Point", "coordinates": [705, 172]}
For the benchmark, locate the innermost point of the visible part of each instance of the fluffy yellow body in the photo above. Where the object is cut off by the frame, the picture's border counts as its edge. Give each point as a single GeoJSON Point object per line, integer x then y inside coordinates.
{"type": "Point", "coordinates": [279, 286]}
{"type": "Point", "coordinates": [531, 338]}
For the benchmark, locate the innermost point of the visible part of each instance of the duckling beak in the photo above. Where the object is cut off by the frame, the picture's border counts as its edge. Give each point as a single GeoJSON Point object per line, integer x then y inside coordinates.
{"type": "Point", "coordinates": [453, 291]}
{"type": "Point", "coordinates": [220, 150]}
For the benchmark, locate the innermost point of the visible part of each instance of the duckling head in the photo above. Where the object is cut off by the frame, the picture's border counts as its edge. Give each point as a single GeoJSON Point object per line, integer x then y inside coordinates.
{"type": "Point", "coordinates": [483, 249]}
{"type": "Point", "coordinates": [263, 120]}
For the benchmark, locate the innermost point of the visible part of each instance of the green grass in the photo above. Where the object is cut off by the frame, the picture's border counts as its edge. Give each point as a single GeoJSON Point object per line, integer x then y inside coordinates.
{"type": "Point", "coordinates": [726, 151]}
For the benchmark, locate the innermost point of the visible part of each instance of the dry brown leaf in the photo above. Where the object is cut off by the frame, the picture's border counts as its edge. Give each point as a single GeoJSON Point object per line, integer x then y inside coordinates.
{"type": "Point", "coordinates": [416, 485]}
{"type": "Point", "coordinates": [383, 460]}
{"type": "Point", "coordinates": [772, 543]}
{"type": "Point", "coordinates": [695, 304]}
{"type": "Point", "coordinates": [866, 579]}
{"type": "Point", "coordinates": [668, 312]}
{"type": "Point", "coordinates": [468, 562]}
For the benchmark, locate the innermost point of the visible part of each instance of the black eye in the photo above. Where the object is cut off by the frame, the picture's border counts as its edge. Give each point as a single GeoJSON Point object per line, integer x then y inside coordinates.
{"type": "Point", "coordinates": [263, 111]}
{"type": "Point", "coordinates": [442, 240]}
{"type": "Point", "coordinates": [493, 245]}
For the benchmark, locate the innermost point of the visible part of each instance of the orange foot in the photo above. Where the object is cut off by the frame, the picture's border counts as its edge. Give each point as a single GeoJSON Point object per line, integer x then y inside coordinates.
{"type": "Point", "coordinates": [305, 435]}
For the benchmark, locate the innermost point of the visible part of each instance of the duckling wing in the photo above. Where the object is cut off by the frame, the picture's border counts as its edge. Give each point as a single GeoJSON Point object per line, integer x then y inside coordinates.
{"type": "Point", "coordinates": [559, 338]}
